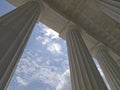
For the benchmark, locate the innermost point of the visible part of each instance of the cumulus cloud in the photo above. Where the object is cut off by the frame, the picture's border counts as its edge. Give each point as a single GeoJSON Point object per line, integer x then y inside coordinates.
{"type": "Point", "coordinates": [51, 33]}
{"type": "Point", "coordinates": [29, 70]}
{"type": "Point", "coordinates": [44, 40]}
{"type": "Point", "coordinates": [54, 48]}
{"type": "Point", "coordinates": [65, 82]}
{"type": "Point", "coordinates": [21, 81]}
{"type": "Point", "coordinates": [47, 76]}
{"type": "Point", "coordinates": [46, 35]}
{"type": "Point", "coordinates": [35, 67]}
{"type": "Point", "coordinates": [48, 38]}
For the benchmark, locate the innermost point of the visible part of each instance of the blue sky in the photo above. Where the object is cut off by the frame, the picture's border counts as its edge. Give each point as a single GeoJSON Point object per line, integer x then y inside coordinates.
{"type": "Point", "coordinates": [44, 63]}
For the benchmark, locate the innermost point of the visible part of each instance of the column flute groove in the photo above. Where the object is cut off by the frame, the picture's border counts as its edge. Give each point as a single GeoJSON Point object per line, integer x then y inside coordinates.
{"type": "Point", "coordinates": [15, 30]}
{"type": "Point", "coordinates": [84, 73]}
{"type": "Point", "coordinates": [109, 66]}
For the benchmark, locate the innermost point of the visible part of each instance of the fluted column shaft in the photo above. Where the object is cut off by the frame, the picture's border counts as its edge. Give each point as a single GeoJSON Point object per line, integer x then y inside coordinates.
{"type": "Point", "coordinates": [109, 67]}
{"type": "Point", "coordinates": [111, 8]}
{"type": "Point", "coordinates": [15, 29]}
{"type": "Point", "coordinates": [84, 73]}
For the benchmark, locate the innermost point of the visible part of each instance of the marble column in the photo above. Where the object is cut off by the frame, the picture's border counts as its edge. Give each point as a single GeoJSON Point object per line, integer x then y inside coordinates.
{"type": "Point", "coordinates": [111, 8]}
{"type": "Point", "coordinates": [15, 29]}
{"type": "Point", "coordinates": [84, 73]}
{"type": "Point", "coordinates": [109, 66]}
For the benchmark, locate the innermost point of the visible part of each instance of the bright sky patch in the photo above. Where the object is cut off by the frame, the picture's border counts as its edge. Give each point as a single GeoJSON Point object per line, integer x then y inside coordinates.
{"type": "Point", "coordinates": [43, 62]}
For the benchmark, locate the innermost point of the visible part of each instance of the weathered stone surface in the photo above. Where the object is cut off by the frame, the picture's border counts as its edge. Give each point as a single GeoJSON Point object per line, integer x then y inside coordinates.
{"type": "Point", "coordinates": [15, 29]}
{"type": "Point", "coordinates": [84, 73]}
{"type": "Point", "coordinates": [109, 66]}
{"type": "Point", "coordinates": [87, 14]}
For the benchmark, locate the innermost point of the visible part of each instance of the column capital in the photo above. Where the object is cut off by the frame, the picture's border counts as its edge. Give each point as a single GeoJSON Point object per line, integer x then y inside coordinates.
{"type": "Point", "coordinates": [98, 47]}
{"type": "Point", "coordinates": [42, 7]}
{"type": "Point", "coordinates": [69, 27]}
{"type": "Point", "coordinates": [40, 2]}
{"type": "Point", "coordinates": [84, 73]}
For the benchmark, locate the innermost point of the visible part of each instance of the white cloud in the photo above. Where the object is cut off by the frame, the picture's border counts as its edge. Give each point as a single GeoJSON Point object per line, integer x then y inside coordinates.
{"type": "Point", "coordinates": [48, 31]}
{"type": "Point", "coordinates": [54, 48]}
{"type": "Point", "coordinates": [65, 82]}
{"type": "Point", "coordinates": [47, 76]}
{"type": "Point", "coordinates": [21, 81]}
{"type": "Point", "coordinates": [43, 39]}
{"type": "Point", "coordinates": [48, 38]}
{"type": "Point", "coordinates": [38, 37]}
{"type": "Point", "coordinates": [30, 70]}
{"type": "Point", "coordinates": [51, 33]}
{"type": "Point", "coordinates": [48, 35]}
{"type": "Point", "coordinates": [32, 67]}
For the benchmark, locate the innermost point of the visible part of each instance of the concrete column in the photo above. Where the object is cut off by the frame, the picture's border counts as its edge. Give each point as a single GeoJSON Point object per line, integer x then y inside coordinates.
{"type": "Point", "coordinates": [109, 67]}
{"type": "Point", "coordinates": [84, 73]}
{"type": "Point", "coordinates": [15, 29]}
